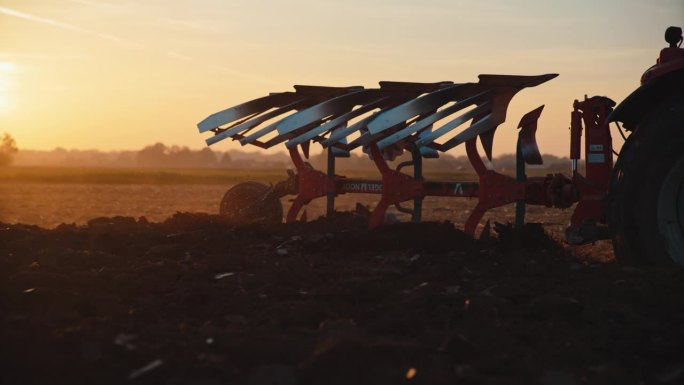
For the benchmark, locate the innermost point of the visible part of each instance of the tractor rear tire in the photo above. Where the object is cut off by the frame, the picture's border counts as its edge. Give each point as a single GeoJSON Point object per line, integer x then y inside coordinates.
{"type": "Point", "coordinates": [646, 214]}
{"type": "Point", "coordinates": [250, 202]}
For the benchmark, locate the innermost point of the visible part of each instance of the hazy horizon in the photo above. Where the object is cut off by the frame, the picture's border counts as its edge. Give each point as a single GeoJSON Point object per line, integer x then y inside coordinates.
{"type": "Point", "coordinates": [119, 75]}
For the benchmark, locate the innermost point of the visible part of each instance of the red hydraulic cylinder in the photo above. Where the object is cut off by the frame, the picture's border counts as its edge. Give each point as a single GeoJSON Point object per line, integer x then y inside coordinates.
{"type": "Point", "coordinates": [575, 134]}
{"type": "Point", "coordinates": [592, 188]}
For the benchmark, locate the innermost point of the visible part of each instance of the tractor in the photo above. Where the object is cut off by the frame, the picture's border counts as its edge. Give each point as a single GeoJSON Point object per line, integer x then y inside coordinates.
{"type": "Point", "coordinates": [637, 201]}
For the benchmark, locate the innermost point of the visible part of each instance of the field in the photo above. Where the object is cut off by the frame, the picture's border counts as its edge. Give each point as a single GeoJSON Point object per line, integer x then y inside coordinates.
{"type": "Point", "coordinates": [48, 196]}
{"type": "Point", "coordinates": [182, 297]}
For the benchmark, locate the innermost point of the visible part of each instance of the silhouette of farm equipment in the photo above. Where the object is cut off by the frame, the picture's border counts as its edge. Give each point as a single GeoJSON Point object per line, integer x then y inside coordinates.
{"type": "Point", "coordinates": [638, 201]}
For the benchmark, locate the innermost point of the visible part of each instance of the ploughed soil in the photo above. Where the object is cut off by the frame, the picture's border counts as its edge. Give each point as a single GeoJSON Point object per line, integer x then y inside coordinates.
{"type": "Point", "coordinates": [194, 300]}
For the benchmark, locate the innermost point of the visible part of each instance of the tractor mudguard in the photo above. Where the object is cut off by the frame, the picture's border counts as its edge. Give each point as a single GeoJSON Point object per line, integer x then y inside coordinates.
{"type": "Point", "coordinates": [646, 98]}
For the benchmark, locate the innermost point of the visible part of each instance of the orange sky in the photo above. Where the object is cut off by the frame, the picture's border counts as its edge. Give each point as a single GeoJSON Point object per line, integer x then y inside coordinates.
{"type": "Point", "coordinates": [123, 74]}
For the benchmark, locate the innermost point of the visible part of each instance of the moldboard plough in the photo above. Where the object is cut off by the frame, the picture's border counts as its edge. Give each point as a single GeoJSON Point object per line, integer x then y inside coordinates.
{"type": "Point", "coordinates": [384, 122]}
{"type": "Point", "coordinates": [425, 119]}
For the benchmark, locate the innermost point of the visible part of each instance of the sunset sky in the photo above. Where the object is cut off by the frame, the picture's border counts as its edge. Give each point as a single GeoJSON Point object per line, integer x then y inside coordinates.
{"type": "Point", "coordinates": [115, 75]}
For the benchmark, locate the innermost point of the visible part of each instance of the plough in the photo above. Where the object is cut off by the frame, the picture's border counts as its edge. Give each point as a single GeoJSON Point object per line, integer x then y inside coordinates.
{"type": "Point", "coordinates": [384, 122]}
{"type": "Point", "coordinates": [426, 119]}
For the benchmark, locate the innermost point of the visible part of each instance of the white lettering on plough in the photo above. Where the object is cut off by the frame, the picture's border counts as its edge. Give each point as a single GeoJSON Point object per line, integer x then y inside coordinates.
{"type": "Point", "coordinates": [363, 186]}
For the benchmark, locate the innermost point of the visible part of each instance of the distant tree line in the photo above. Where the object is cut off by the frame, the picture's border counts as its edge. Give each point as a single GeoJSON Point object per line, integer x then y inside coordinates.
{"type": "Point", "coordinates": [159, 155]}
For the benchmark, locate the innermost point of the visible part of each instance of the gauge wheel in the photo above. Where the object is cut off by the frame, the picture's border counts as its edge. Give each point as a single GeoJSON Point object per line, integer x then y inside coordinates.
{"type": "Point", "coordinates": [250, 202]}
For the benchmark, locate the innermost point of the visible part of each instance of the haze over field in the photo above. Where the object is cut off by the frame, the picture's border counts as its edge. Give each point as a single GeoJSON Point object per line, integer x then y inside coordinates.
{"type": "Point", "coordinates": [120, 74]}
